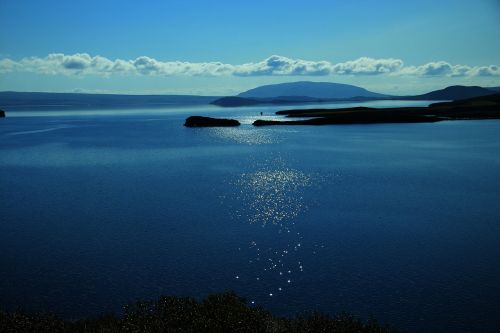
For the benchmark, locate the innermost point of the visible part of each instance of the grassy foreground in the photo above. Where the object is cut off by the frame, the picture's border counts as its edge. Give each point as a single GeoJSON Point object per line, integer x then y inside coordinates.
{"type": "Point", "coordinates": [224, 312]}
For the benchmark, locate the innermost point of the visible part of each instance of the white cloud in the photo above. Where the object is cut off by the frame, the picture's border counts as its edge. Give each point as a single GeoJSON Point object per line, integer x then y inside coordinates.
{"type": "Point", "coordinates": [438, 68]}
{"type": "Point", "coordinates": [368, 66]}
{"type": "Point", "coordinates": [8, 65]}
{"type": "Point", "coordinates": [279, 65]}
{"type": "Point", "coordinates": [442, 68]}
{"type": "Point", "coordinates": [84, 64]}
{"type": "Point", "coordinates": [491, 70]}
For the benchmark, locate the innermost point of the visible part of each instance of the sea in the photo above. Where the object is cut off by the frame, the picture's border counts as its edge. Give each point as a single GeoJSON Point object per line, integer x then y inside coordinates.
{"type": "Point", "coordinates": [397, 222]}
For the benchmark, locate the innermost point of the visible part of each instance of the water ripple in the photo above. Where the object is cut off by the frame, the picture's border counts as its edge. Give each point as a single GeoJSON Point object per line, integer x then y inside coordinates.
{"type": "Point", "coordinates": [249, 136]}
{"type": "Point", "coordinates": [272, 196]}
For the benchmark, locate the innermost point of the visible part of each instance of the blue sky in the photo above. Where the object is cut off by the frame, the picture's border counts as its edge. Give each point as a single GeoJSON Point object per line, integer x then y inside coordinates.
{"type": "Point", "coordinates": [223, 47]}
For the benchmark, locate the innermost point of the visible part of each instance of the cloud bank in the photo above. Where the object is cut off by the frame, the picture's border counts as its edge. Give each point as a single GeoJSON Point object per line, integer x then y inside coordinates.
{"type": "Point", "coordinates": [84, 64]}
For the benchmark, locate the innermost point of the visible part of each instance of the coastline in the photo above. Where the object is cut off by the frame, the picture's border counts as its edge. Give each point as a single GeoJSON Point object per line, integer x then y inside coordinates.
{"type": "Point", "coordinates": [478, 108]}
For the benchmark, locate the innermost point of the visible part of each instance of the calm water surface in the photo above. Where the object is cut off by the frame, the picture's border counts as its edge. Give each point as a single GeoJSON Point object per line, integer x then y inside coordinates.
{"type": "Point", "coordinates": [401, 222]}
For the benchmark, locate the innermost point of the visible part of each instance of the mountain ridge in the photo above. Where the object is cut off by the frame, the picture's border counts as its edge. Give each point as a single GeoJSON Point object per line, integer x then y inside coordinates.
{"type": "Point", "coordinates": [287, 93]}
{"type": "Point", "coordinates": [456, 92]}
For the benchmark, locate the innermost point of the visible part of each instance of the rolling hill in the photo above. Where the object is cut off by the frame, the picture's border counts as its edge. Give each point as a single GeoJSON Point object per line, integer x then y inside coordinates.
{"type": "Point", "coordinates": [319, 90]}
{"type": "Point", "coordinates": [452, 93]}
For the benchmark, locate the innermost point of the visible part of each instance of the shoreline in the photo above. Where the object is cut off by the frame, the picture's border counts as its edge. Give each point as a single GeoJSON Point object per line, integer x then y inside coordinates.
{"type": "Point", "coordinates": [479, 108]}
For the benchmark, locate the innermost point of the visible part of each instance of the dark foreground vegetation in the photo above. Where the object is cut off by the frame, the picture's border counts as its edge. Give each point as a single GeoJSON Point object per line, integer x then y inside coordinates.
{"type": "Point", "coordinates": [224, 312]}
{"type": "Point", "coordinates": [484, 107]}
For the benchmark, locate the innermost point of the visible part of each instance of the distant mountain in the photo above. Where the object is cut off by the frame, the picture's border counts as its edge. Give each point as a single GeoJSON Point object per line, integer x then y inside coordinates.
{"type": "Point", "coordinates": [279, 94]}
{"type": "Point", "coordinates": [319, 90]}
{"type": "Point", "coordinates": [299, 92]}
{"type": "Point", "coordinates": [324, 92]}
{"type": "Point", "coordinates": [36, 100]}
{"type": "Point", "coordinates": [451, 93]}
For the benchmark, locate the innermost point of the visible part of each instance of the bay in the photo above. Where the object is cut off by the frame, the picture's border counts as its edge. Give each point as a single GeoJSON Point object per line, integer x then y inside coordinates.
{"type": "Point", "coordinates": [395, 221]}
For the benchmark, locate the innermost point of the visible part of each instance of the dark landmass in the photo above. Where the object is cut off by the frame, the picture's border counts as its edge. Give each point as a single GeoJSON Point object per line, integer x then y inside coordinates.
{"type": "Point", "coordinates": [277, 94]}
{"type": "Point", "coordinates": [451, 93]}
{"type": "Point", "coordinates": [485, 107]}
{"type": "Point", "coordinates": [39, 100]}
{"type": "Point", "coordinates": [2, 114]}
{"type": "Point", "coordinates": [318, 90]}
{"type": "Point", "coordinates": [198, 121]}
{"type": "Point", "coordinates": [370, 116]}
{"type": "Point", "coordinates": [224, 312]}
{"type": "Point", "coordinates": [324, 92]}
{"type": "Point", "coordinates": [299, 93]}
{"type": "Point", "coordinates": [234, 101]}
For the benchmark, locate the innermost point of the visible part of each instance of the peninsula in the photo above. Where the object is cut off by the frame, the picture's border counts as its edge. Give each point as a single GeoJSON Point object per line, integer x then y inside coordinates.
{"type": "Point", "coordinates": [484, 107]}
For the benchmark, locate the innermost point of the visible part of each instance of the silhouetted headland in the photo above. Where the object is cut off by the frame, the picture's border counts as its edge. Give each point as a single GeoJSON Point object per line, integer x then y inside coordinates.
{"type": "Point", "coordinates": [2, 114]}
{"type": "Point", "coordinates": [484, 107]}
{"type": "Point", "coordinates": [198, 121]}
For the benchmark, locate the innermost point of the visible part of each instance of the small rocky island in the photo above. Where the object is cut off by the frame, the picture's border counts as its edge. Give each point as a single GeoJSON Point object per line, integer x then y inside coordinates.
{"type": "Point", "coordinates": [198, 121]}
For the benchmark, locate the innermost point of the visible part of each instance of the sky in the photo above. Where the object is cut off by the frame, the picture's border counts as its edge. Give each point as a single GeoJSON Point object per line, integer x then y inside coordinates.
{"type": "Point", "coordinates": [222, 47]}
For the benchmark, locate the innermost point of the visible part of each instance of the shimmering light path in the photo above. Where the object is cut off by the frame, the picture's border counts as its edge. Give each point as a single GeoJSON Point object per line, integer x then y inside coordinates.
{"type": "Point", "coordinates": [272, 197]}
{"type": "Point", "coordinates": [272, 194]}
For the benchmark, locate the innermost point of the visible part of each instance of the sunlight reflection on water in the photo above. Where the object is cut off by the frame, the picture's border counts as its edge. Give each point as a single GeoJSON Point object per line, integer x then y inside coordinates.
{"type": "Point", "coordinates": [250, 135]}
{"type": "Point", "coordinates": [273, 197]}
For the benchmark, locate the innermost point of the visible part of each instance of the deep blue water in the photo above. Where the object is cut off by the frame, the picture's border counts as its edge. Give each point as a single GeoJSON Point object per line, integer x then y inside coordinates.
{"type": "Point", "coordinates": [401, 221]}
